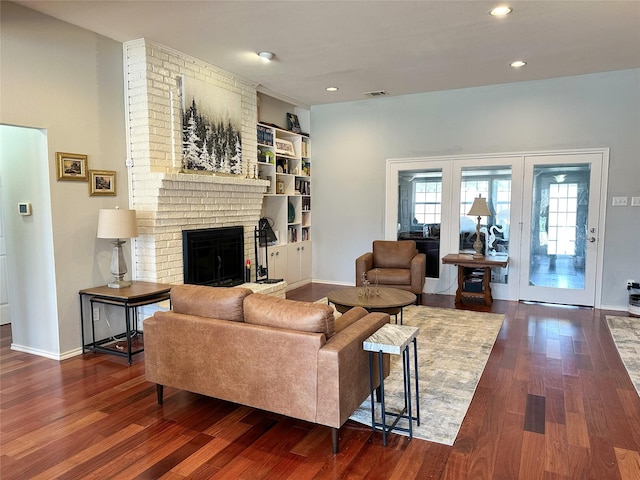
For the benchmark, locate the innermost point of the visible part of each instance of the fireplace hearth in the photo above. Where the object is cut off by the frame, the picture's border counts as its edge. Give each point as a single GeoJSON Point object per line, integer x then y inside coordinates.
{"type": "Point", "coordinates": [213, 256]}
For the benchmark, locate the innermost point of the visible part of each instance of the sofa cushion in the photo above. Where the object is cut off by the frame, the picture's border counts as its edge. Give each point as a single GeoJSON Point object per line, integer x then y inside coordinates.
{"type": "Point", "coordinates": [393, 254]}
{"type": "Point", "coordinates": [271, 311]}
{"type": "Point", "coordinates": [223, 303]}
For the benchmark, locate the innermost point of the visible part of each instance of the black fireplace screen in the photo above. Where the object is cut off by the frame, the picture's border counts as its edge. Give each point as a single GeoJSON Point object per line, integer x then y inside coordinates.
{"type": "Point", "coordinates": [213, 256]}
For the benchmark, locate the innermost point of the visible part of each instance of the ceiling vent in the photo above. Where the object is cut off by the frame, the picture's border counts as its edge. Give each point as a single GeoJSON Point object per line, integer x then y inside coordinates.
{"type": "Point", "coordinates": [375, 93]}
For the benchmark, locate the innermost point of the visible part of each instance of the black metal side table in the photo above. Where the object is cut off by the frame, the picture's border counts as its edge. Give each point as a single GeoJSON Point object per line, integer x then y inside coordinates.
{"type": "Point", "coordinates": [395, 340]}
{"type": "Point", "coordinates": [129, 298]}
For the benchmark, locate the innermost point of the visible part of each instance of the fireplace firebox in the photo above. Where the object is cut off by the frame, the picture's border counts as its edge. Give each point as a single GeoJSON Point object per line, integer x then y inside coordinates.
{"type": "Point", "coordinates": [213, 256]}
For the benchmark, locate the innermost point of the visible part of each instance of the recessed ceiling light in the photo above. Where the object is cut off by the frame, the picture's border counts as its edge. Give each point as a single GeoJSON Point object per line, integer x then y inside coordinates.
{"type": "Point", "coordinates": [501, 11]}
{"type": "Point", "coordinates": [518, 64]}
{"type": "Point", "coordinates": [331, 89]}
{"type": "Point", "coordinates": [266, 56]}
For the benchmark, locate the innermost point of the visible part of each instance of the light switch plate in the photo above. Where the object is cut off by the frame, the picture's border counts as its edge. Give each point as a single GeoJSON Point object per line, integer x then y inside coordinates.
{"type": "Point", "coordinates": [635, 201]}
{"type": "Point", "coordinates": [620, 201]}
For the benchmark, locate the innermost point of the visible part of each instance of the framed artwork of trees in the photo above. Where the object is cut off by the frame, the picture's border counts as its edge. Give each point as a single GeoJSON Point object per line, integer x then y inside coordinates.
{"type": "Point", "coordinates": [211, 128]}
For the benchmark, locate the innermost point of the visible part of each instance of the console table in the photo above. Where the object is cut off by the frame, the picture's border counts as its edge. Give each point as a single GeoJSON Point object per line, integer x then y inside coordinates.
{"type": "Point", "coordinates": [129, 298]}
{"type": "Point", "coordinates": [485, 263]}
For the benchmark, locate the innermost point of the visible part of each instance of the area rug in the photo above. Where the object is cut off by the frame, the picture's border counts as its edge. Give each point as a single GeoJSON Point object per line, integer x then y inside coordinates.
{"type": "Point", "coordinates": [626, 335]}
{"type": "Point", "coordinates": [453, 349]}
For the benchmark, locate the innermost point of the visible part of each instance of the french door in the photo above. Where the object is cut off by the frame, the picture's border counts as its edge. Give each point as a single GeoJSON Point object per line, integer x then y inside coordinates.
{"type": "Point", "coordinates": [546, 208]}
{"type": "Point", "coordinates": [561, 228]}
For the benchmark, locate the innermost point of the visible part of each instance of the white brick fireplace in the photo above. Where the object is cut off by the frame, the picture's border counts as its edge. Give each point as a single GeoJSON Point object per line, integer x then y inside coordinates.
{"type": "Point", "coordinates": [167, 200]}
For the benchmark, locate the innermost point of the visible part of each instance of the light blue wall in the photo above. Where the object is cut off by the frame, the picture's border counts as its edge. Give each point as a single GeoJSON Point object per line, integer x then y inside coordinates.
{"type": "Point", "coordinates": [351, 142]}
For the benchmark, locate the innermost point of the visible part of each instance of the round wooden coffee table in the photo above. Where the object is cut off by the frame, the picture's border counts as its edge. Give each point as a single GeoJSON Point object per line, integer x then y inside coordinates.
{"type": "Point", "coordinates": [390, 300]}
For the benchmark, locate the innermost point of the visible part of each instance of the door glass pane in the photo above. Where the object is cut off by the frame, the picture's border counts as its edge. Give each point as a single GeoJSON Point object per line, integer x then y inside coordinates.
{"type": "Point", "coordinates": [494, 184]}
{"type": "Point", "coordinates": [419, 213]}
{"type": "Point", "coordinates": [558, 237]}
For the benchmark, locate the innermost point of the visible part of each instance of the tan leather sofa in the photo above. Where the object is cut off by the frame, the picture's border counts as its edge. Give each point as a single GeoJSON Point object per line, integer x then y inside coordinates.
{"type": "Point", "coordinates": [396, 264]}
{"type": "Point", "coordinates": [274, 354]}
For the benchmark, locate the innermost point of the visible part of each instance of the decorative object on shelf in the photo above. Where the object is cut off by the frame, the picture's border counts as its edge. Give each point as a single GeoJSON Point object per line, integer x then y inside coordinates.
{"type": "Point", "coordinates": [103, 182]}
{"type": "Point", "coordinates": [270, 157]}
{"type": "Point", "coordinates": [211, 128]}
{"type": "Point", "coordinates": [285, 147]}
{"type": "Point", "coordinates": [72, 166]}
{"type": "Point", "coordinates": [265, 136]}
{"type": "Point", "coordinates": [292, 123]}
{"type": "Point", "coordinates": [479, 209]}
{"type": "Point", "coordinates": [117, 224]}
{"type": "Point", "coordinates": [291, 213]}
{"type": "Point", "coordinates": [280, 187]}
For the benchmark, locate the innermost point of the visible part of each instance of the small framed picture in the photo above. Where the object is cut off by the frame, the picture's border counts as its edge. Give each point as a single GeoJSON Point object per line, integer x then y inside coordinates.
{"type": "Point", "coordinates": [292, 123]}
{"type": "Point", "coordinates": [72, 166]}
{"type": "Point", "coordinates": [102, 182]}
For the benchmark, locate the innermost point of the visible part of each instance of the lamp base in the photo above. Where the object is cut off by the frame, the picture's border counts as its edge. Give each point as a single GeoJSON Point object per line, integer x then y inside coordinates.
{"type": "Point", "coordinates": [119, 284]}
{"type": "Point", "coordinates": [477, 245]}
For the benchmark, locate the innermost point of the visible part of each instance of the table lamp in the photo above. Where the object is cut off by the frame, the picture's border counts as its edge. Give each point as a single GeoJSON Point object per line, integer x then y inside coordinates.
{"type": "Point", "coordinates": [117, 224]}
{"type": "Point", "coordinates": [479, 209]}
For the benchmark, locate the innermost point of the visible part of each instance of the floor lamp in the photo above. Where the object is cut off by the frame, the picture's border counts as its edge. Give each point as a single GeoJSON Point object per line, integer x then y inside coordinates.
{"type": "Point", "coordinates": [117, 224]}
{"type": "Point", "coordinates": [479, 209]}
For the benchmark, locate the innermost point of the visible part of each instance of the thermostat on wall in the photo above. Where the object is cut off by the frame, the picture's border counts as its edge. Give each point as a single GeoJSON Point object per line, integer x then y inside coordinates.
{"type": "Point", "coordinates": [24, 208]}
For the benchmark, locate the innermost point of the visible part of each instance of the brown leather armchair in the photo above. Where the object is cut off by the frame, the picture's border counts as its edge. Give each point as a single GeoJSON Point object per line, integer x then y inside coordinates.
{"type": "Point", "coordinates": [398, 264]}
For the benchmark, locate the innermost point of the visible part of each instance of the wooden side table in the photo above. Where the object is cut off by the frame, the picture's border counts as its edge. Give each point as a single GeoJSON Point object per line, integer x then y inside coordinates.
{"type": "Point", "coordinates": [129, 298]}
{"type": "Point", "coordinates": [463, 260]}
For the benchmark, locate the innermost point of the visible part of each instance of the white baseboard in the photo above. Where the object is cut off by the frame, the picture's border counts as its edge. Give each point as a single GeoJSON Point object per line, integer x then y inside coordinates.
{"type": "Point", "coordinates": [616, 308]}
{"type": "Point", "coordinates": [333, 282]}
{"type": "Point", "coordinates": [43, 353]}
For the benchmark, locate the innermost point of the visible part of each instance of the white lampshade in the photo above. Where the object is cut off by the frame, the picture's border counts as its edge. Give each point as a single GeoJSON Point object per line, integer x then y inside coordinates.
{"type": "Point", "coordinates": [479, 208]}
{"type": "Point", "coordinates": [117, 223]}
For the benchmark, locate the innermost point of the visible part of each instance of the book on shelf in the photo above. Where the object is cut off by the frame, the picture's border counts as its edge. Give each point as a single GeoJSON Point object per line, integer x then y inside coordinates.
{"type": "Point", "coordinates": [305, 149]}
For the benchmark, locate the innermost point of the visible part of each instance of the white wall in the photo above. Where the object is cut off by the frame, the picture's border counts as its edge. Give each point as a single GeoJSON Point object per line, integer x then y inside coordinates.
{"type": "Point", "coordinates": [69, 82]}
{"type": "Point", "coordinates": [351, 142]}
{"type": "Point", "coordinates": [32, 284]}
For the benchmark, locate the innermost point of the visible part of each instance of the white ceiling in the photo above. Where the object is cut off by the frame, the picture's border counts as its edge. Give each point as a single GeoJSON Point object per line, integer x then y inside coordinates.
{"type": "Point", "coordinates": [401, 47]}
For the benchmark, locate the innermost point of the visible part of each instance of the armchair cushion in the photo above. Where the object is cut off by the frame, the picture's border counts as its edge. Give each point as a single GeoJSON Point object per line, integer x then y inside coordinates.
{"type": "Point", "coordinates": [393, 254]}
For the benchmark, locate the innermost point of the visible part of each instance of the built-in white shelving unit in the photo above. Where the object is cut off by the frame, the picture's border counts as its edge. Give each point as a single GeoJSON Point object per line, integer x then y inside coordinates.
{"type": "Point", "coordinates": [284, 159]}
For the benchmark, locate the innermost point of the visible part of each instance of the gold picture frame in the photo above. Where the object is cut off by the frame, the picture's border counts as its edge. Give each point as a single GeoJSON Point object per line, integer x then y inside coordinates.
{"type": "Point", "coordinates": [72, 166]}
{"type": "Point", "coordinates": [103, 182]}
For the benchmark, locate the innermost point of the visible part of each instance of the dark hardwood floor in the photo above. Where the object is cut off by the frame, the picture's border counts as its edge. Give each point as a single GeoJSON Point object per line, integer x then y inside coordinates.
{"type": "Point", "coordinates": [554, 402]}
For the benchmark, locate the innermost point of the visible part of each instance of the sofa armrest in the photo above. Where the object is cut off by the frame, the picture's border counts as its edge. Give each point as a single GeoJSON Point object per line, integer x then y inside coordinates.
{"type": "Point", "coordinates": [364, 263]}
{"type": "Point", "coordinates": [343, 370]}
{"type": "Point", "coordinates": [418, 272]}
